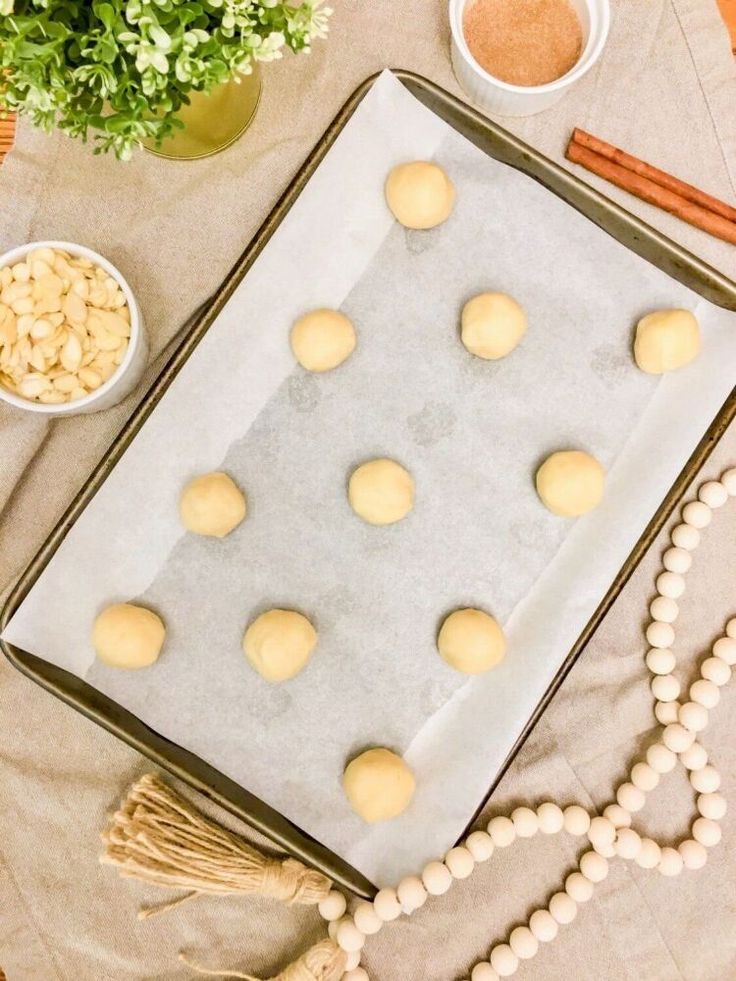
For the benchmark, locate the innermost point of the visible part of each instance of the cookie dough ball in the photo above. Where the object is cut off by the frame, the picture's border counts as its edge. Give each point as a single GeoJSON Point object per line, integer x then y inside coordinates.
{"type": "Point", "coordinates": [128, 636]}
{"type": "Point", "coordinates": [471, 641]}
{"type": "Point", "coordinates": [420, 194]}
{"type": "Point", "coordinates": [381, 492]}
{"type": "Point", "coordinates": [492, 324]}
{"type": "Point", "coordinates": [322, 339]}
{"type": "Point", "coordinates": [666, 340]}
{"type": "Point", "coordinates": [378, 784]}
{"type": "Point", "coordinates": [212, 505]}
{"type": "Point", "coordinates": [570, 483]}
{"type": "Point", "coordinates": [279, 643]}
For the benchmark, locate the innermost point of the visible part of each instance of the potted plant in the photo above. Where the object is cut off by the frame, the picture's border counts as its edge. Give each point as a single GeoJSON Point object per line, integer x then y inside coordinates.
{"type": "Point", "coordinates": [129, 71]}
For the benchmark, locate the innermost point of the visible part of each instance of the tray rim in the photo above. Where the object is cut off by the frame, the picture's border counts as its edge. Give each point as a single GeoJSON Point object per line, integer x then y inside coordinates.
{"type": "Point", "coordinates": [174, 759]}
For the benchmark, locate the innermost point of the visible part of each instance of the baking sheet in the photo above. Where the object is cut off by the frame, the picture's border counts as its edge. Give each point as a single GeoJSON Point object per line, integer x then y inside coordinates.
{"type": "Point", "coordinates": [472, 434]}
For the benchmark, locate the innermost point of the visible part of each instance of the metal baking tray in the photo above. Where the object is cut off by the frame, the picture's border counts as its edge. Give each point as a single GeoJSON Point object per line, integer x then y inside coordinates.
{"type": "Point", "coordinates": [498, 143]}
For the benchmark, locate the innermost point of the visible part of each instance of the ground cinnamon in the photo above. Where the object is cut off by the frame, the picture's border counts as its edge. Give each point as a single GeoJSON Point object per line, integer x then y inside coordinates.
{"type": "Point", "coordinates": [524, 42]}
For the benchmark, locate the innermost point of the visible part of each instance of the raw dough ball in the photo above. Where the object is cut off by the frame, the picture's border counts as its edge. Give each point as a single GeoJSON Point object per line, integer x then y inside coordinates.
{"type": "Point", "coordinates": [491, 325]}
{"type": "Point", "coordinates": [212, 505]}
{"type": "Point", "coordinates": [570, 483]}
{"type": "Point", "coordinates": [471, 641]}
{"type": "Point", "coordinates": [279, 643]}
{"type": "Point", "coordinates": [666, 340]}
{"type": "Point", "coordinates": [322, 339]}
{"type": "Point", "coordinates": [128, 636]}
{"type": "Point", "coordinates": [378, 784]}
{"type": "Point", "coordinates": [381, 492]}
{"type": "Point", "coordinates": [420, 194]}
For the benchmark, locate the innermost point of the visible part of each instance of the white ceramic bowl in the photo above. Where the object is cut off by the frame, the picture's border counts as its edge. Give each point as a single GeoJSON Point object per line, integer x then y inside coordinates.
{"type": "Point", "coordinates": [128, 373]}
{"type": "Point", "coordinates": [505, 99]}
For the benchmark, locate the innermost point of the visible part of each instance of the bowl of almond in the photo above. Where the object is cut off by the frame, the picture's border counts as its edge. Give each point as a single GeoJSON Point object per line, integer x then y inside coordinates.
{"type": "Point", "coordinates": [72, 338]}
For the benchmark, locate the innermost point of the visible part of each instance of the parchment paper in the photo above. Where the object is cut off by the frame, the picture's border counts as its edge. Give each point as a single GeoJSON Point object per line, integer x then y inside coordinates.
{"type": "Point", "coordinates": [471, 432]}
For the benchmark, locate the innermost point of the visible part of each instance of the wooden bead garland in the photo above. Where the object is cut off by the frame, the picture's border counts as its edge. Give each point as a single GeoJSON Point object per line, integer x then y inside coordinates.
{"type": "Point", "coordinates": [609, 834]}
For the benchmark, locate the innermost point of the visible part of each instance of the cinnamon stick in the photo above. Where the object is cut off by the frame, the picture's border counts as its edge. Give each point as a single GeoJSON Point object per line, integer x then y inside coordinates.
{"type": "Point", "coordinates": [652, 173]}
{"type": "Point", "coordinates": [648, 190]}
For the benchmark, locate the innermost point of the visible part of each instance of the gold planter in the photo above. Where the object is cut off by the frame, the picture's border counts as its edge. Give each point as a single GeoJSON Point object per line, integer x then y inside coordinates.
{"type": "Point", "coordinates": [212, 120]}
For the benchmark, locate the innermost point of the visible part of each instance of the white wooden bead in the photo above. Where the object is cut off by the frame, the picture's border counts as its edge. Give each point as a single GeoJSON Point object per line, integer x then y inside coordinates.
{"type": "Point", "coordinates": [697, 514]}
{"type": "Point", "coordinates": [666, 712]}
{"type": "Point", "coordinates": [677, 737]}
{"type": "Point", "coordinates": [357, 974]}
{"type": "Point", "coordinates": [352, 960]}
{"type": "Point", "coordinates": [731, 625]}
{"type": "Point", "coordinates": [664, 609]}
{"type": "Point", "coordinates": [705, 781]}
{"type": "Point", "coordinates": [644, 777]}
{"type": "Point", "coordinates": [694, 855]}
{"type": "Point", "coordinates": [713, 494]}
{"type": "Point", "coordinates": [523, 943]}
{"type": "Point", "coordinates": [411, 893]}
{"type": "Point", "coordinates": [670, 862]}
{"type": "Point", "coordinates": [617, 815]}
{"type": "Point", "coordinates": [707, 832]}
{"type": "Point", "coordinates": [436, 878]}
{"type": "Point", "coordinates": [712, 805]}
{"type": "Point", "coordinates": [480, 845]}
{"type": "Point", "coordinates": [716, 670]}
{"type": "Point", "coordinates": [504, 961]}
{"type": "Point", "coordinates": [694, 758]}
{"type": "Point", "coordinates": [483, 972]}
{"type": "Point", "coordinates": [665, 687]}
{"type": "Point", "coordinates": [594, 867]}
{"type": "Point", "coordinates": [705, 693]}
{"type": "Point", "coordinates": [728, 479]}
{"type": "Point", "coordinates": [660, 758]}
{"type": "Point", "coordinates": [502, 831]}
{"type": "Point", "coordinates": [660, 634]}
{"type": "Point", "coordinates": [660, 660]}
{"type": "Point", "coordinates": [648, 855]}
{"type": "Point", "coordinates": [601, 831]}
{"type": "Point", "coordinates": [693, 716]}
{"type": "Point", "coordinates": [525, 821]}
{"type": "Point", "coordinates": [543, 925]}
{"type": "Point", "coordinates": [460, 862]}
{"type": "Point", "coordinates": [630, 797]}
{"type": "Point", "coordinates": [685, 536]}
{"type": "Point", "coordinates": [677, 560]}
{"type": "Point", "coordinates": [578, 887]}
{"type": "Point", "coordinates": [563, 908]}
{"type": "Point", "coordinates": [366, 919]}
{"type": "Point", "coordinates": [550, 817]}
{"type": "Point", "coordinates": [576, 820]}
{"type": "Point", "coordinates": [387, 905]}
{"type": "Point", "coordinates": [332, 906]}
{"type": "Point", "coordinates": [628, 843]}
{"type": "Point", "coordinates": [671, 585]}
{"type": "Point", "coordinates": [349, 937]}
{"type": "Point", "coordinates": [725, 649]}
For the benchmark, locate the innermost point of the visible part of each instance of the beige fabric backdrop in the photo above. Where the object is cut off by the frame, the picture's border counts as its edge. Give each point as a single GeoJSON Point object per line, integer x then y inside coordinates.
{"type": "Point", "coordinates": [666, 90]}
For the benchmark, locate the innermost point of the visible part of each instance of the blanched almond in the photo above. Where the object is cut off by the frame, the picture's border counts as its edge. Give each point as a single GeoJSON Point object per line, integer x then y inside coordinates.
{"type": "Point", "coordinates": [21, 272]}
{"type": "Point", "coordinates": [89, 378]}
{"type": "Point", "coordinates": [41, 329]}
{"type": "Point", "coordinates": [71, 353]}
{"type": "Point", "coordinates": [23, 305]}
{"type": "Point", "coordinates": [31, 385]}
{"type": "Point", "coordinates": [37, 359]}
{"type": "Point", "coordinates": [74, 308]}
{"type": "Point", "coordinates": [45, 254]}
{"type": "Point", "coordinates": [78, 393]}
{"type": "Point", "coordinates": [80, 287]}
{"type": "Point", "coordinates": [66, 383]}
{"type": "Point", "coordinates": [52, 398]}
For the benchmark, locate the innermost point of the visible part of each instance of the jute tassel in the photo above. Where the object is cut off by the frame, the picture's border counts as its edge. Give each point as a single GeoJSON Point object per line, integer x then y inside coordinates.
{"type": "Point", "coordinates": [158, 837]}
{"type": "Point", "coordinates": [323, 962]}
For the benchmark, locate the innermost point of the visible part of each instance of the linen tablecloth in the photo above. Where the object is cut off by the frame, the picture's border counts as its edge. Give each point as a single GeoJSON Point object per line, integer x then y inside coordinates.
{"type": "Point", "coordinates": [666, 90]}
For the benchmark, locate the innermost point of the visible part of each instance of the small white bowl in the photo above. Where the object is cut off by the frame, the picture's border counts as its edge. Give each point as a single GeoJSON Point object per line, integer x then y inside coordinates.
{"type": "Point", "coordinates": [127, 375]}
{"type": "Point", "coordinates": [505, 99]}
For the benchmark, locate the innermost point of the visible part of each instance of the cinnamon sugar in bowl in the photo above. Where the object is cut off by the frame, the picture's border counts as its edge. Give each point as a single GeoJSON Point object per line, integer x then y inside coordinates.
{"type": "Point", "coordinates": [518, 57]}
